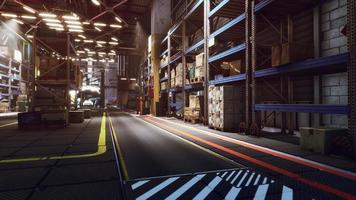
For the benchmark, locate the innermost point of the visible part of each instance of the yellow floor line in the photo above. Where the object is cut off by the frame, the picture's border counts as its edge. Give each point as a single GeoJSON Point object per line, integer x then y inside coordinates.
{"type": "Point", "coordinates": [101, 149]}
{"type": "Point", "coordinates": [121, 157]}
{"type": "Point", "coordinates": [10, 124]}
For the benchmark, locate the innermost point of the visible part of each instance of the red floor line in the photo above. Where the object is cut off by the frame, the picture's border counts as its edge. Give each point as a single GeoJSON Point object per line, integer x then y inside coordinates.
{"type": "Point", "coordinates": [288, 157]}
{"type": "Point", "coordinates": [284, 172]}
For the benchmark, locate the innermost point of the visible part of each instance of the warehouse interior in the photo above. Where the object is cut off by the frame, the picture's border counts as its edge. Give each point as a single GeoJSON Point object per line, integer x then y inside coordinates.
{"type": "Point", "coordinates": [177, 99]}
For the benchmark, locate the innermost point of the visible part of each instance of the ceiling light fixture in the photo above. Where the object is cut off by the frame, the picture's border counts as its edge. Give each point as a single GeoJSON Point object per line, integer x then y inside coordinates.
{"type": "Point", "coordinates": [95, 2]}
{"type": "Point", "coordinates": [29, 9]}
{"type": "Point", "coordinates": [71, 17]}
{"type": "Point", "coordinates": [28, 17]}
{"type": "Point", "coordinates": [86, 23]}
{"type": "Point", "coordinates": [73, 22]}
{"type": "Point", "coordinates": [114, 38]}
{"type": "Point", "coordinates": [9, 15]}
{"type": "Point", "coordinates": [118, 19]}
{"type": "Point", "coordinates": [100, 24]}
{"type": "Point", "coordinates": [100, 42]}
{"type": "Point", "coordinates": [29, 36]}
{"type": "Point", "coordinates": [115, 26]}
{"type": "Point", "coordinates": [82, 36]}
{"type": "Point", "coordinates": [86, 49]}
{"type": "Point", "coordinates": [76, 30]}
{"type": "Point", "coordinates": [88, 41]}
{"type": "Point", "coordinates": [80, 51]}
{"type": "Point", "coordinates": [74, 26]}
{"type": "Point", "coordinates": [98, 29]}
{"type": "Point", "coordinates": [17, 21]}
{"type": "Point", "coordinates": [113, 43]}
{"type": "Point", "coordinates": [77, 40]}
{"type": "Point", "coordinates": [50, 15]}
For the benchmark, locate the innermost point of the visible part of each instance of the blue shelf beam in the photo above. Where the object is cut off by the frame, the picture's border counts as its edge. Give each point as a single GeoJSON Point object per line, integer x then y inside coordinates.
{"type": "Point", "coordinates": [304, 108]}
{"type": "Point", "coordinates": [165, 39]}
{"type": "Point", "coordinates": [228, 25]}
{"type": "Point", "coordinates": [194, 87]}
{"type": "Point", "coordinates": [164, 66]}
{"type": "Point", "coordinates": [162, 54]}
{"type": "Point", "coordinates": [176, 57]}
{"type": "Point", "coordinates": [227, 53]}
{"type": "Point", "coordinates": [176, 90]}
{"type": "Point", "coordinates": [164, 79]}
{"type": "Point", "coordinates": [197, 45]}
{"type": "Point", "coordinates": [262, 4]}
{"type": "Point", "coordinates": [311, 64]}
{"type": "Point", "coordinates": [218, 7]}
{"type": "Point", "coordinates": [193, 9]}
{"type": "Point", "coordinates": [227, 80]}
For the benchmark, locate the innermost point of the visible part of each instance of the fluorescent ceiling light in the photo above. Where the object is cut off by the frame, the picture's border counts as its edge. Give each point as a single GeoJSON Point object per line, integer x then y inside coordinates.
{"type": "Point", "coordinates": [123, 79]}
{"type": "Point", "coordinates": [73, 22]}
{"type": "Point", "coordinates": [113, 43]}
{"type": "Point", "coordinates": [76, 30]}
{"type": "Point", "coordinates": [82, 36]}
{"type": "Point", "coordinates": [99, 24]}
{"type": "Point", "coordinates": [112, 54]}
{"type": "Point", "coordinates": [88, 41]}
{"type": "Point", "coordinates": [86, 23]}
{"type": "Point", "coordinates": [112, 51]}
{"type": "Point", "coordinates": [80, 51]}
{"type": "Point", "coordinates": [29, 9]}
{"type": "Point", "coordinates": [29, 36]}
{"type": "Point", "coordinates": [100, 42]}
{"type": "Point", "coordinates": [91, 52]}
{"type": "Point", "coordinates": [86, 49]}
{"type": "Point", "coordinates": [118, 19]}
{"type": "Point", "coordinates": [57, 28]}
{"type": "Point", "coordinates": [9, 15]}
{"type": "Point", "coordinates": [28, 17]}
{"type": "Point", "coordinates": [70, 17]}
{"type": "Point", "coordinates": [99, 45]}
{"type": "Point", "coordinates": [115, 26]}
{"type": "Point", "coordinates": [77, 40]}
{"type": "Point", "coordinates": [17, 21]}
{"type": "Point", "coordinates": [98, 29]}
{"type": "Point", "coordinates": [101, 53]}
{"type": "Point", "coordinates": [95, 2]}
{"type": "Point", "coordinates": [54, 25]}
{"type": "Point", "coordinates": [50, 15]}
{"type": "Point", "coordinates": [114, 38]}
{"type": "Point", "coordinates": [51, 20]}
{"type": "Point", "coordinates": [132, 79]}
{"type": "Point", "coordinates": [74, 26]}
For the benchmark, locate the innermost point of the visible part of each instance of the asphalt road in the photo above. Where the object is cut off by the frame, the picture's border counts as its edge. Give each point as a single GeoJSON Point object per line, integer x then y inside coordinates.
{"type": "Point", "coordinates": [149, 151]}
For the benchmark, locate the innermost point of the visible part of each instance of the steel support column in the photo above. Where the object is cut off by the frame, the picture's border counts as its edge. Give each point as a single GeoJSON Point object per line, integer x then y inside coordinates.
{"type": "Point", "coordinates": [33, 68]}
{"type": "Point", "coordinates": [184, 64]}
{"type": "Point", "coordinates": [249, 66]}
{"type": "Point", "coordinates": [351, 68]}
{"type": "Point", "coordinates": [205, 63]}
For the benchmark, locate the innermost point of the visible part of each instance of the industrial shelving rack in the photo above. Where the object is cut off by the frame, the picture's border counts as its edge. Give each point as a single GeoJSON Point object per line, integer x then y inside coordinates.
{"type": "Point", "coordinates": [241, 24]}
{"type": "Point", "coordinates": [10, 77]}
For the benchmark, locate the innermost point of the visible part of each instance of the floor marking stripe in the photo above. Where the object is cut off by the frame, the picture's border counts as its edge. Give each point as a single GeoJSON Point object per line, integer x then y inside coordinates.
{"type": "Point", "coordinates": [293, 158]}
{"type": "Point", "coordinates": [10, 124]}
{"type": "Point", "coordinates": [139, 184]}
{"type": "Point", "coordinates": [287, 193]}
{"type": "Point", "coordinates": [250, 179]}
{"type": "Point", "coordinates": [101, 149]}
{"type": "Point", "coordinates": [234, 179]}
{"type": "Point", "coordinates": [232, 173]}
{"type": "Point", "coordinates": [242, 179]}
{"type": "Point", "coordinates": [210, 187]}
{"type": "Point", "coordinates": [185, 187]}
{"type": "Point", "coordinates": [222, 176]}
{"type": "Point", "coordinates": [156, 189]}
{"type": "Point", "coordinates": [295, 176]}
{"type": "Point", "coordinates": [264, 180]}
{"type": "Point", "coordinates": [232, 194]}
{"type": "Point", "coordinates": [261, 192]}
{"type": "Point", "coordinates": [257, 179]}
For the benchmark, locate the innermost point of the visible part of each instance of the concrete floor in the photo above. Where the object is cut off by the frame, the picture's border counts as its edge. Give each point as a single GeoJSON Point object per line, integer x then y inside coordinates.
{"type": "Point", "coordinates": [160, 158]}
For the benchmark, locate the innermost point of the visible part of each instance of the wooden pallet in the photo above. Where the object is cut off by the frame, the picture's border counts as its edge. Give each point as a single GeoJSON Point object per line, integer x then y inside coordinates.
{"type": "Point", "coordinates": [192, 119]}
{"type": "Point", "coordinates": [197, 79]}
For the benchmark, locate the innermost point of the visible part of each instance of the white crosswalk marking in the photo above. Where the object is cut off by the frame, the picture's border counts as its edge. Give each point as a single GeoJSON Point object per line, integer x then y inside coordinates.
{"type": "Point", "coordinates": [242, 179]}
{"type": "Point", "coordinates": [250, 179]}
{"type": "Point", "coordinates": [232, 173]}
{"type": "Point", "coordinates": [264, 180]}
{"type": "Point", "coordinates": [185, 187]}
{"type": "Point", "coordinates": [287, 193]}
{"type": "Point", "coordinates": [234, 179]}
{"type": "Point", "coordinates": [261, 192]}
{"type": "Point", "coordinates": [257, 179]}
{"type": "Point", "coordinates": [157, 188]}
{"type": "Point", "coordinates": [232, 194]}
{"type": "Point", "coordinates": [206, 191]}
{"type": "Point", "coordinates": [222, 176]}
{"type": "Point", "coordinates": [139, 184]}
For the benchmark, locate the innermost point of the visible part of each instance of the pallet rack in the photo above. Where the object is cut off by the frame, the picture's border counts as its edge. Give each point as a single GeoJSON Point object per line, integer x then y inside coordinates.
{"type": "Point", "coordinates": [243, 24]}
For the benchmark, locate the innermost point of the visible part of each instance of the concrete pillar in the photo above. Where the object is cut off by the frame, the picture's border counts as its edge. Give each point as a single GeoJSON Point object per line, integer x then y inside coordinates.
{"type": "Point", "coordinates": [160, 22]}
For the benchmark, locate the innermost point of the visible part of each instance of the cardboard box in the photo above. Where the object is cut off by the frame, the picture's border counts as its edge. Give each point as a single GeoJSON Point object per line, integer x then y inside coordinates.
{"type": "Point", "coordinates": [276, 55]}
{"type": "Point", "coordinates": [292, 52]}
{"type": "Point", "coordinates": [199, 60]}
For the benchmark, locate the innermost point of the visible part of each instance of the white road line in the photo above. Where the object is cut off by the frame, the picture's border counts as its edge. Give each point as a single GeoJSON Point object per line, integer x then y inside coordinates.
{"type": "Point", "coordinates": [264, 180]}
{"type": "Point", "coordinates": [232, 194]}
{"type": "Point", "coordinates": [228, 178]}
{"type": "Point", "coordinates": [185, 187]}
{"type": "Point", "coordinates": [261, 192]}
{"type": "Point", "coordinates": [158, 188]}
{"type": "Point", "coordinates": [139, 184]}
{"type": "Point", "coordinates": [234, 179]}
{"type": "Point", "coordinates": [257, 179]}
{"type": "Point", "coordinates": [250, 179]}
{"type": "Point", "coordinates": [206, 191]}
{"type": "Point", "coordinates": [287, 193]}
{"type": "Point", "coordinates": [242, 179]}
{"type": "Point", "coordinates": [224, 174]}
